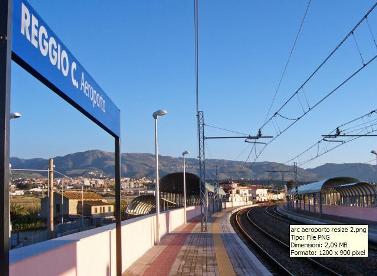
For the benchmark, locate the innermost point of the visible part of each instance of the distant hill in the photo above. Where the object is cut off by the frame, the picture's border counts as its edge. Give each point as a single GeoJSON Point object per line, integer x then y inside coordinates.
{"type": "Point", "coordinates": [142, 164]}
{"type": "Point", "coordinates": [358, 170]}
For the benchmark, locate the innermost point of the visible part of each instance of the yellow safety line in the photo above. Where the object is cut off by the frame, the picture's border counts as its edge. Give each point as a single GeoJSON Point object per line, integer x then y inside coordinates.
{"type": "Point", "coordinates": [224, 265]}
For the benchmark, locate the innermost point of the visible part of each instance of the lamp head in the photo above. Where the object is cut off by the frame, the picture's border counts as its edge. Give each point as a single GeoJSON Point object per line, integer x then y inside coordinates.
{"type": "Point", "coordinates": [373, 152]}
{"type": "Point", "coordinates": [159, 113]}
{"type": "Point", "coordinates": [15, 115]}
{"type": "Point", "coordinates": [185, 152]}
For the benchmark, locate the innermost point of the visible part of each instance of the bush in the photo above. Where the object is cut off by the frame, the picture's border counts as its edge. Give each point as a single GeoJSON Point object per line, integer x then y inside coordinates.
{"type": "Point", "coordinates": [24, 220]}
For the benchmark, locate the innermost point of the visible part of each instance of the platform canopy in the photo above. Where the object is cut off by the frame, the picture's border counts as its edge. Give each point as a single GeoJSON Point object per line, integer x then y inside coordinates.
{"type": "Point", "coordinates": [142, 205]}
{"type": "Point", "coordinates": [171, 189]}
{"type": "Point", "coordinates": [323, 185]}
{"type": "Point", "coordinates": [356, 189]}
{"type": "Point", "coordinates": [173, 183]}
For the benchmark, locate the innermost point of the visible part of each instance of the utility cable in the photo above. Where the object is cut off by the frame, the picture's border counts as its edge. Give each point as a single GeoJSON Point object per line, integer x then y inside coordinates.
{"type": "Point", "coordinates": [224, 129]}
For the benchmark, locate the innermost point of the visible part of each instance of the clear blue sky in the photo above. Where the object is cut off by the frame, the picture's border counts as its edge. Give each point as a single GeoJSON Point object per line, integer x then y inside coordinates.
{"type": "Point", "coordinates": [141, 52]}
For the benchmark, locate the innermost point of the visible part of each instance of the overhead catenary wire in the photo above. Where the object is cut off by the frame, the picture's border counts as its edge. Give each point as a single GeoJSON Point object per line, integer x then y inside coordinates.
{"type": "Point", "coordinates": [280, 132]}
{"type": "Point", "coordinates": [363, 128]}
{"type": "Point", "coordinates": [358, 48]}
{"type": "Point", "coordinates": [242, 152]}
{"type": "Point", "coordinates": [333, 148]}
{"type": "Point", "coordinates": [337, 146]}
{"type": "Point", "coordinates": [248, 156]}
{"type": "Point", "coordinates": [322, 63]}
{"type": "Point", "coordinates": [289, 58]}
{"type": "Point", "coordinates": [316, 104]}
{"type": "Point", "coordinates": [318, 143]}
{"type": "Point", "coordinates": [371, 32]}
{"type": "Point", "coordinates": [227, 130]}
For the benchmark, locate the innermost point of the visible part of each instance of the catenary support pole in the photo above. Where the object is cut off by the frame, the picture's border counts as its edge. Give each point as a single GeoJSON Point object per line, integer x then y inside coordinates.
{"type": "Point", "coordinates": [5, 80]}
{"type": "Point", "coordinates": [117, 208]}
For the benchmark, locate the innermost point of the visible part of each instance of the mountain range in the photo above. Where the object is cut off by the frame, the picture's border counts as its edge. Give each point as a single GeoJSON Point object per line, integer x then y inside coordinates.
{"type": "Point", "coordinates": [137, 165]}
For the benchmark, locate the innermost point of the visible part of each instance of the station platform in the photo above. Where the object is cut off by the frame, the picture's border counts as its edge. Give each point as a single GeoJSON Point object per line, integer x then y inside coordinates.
{"type": "Point", "coordinates": [188, 251]}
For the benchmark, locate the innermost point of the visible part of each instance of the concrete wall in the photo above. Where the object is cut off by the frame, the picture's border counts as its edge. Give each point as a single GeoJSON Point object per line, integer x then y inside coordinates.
{"type": "Point", "coordinates": [92, 252]}
{"type": "Point", "coordinates": [230, 204]}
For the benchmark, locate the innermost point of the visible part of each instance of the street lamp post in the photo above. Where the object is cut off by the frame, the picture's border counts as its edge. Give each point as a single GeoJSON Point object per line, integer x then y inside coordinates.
{"type": "Point", "coordinates": [184, 185]}
{"type": "Point", "coordinates": [157, 114]}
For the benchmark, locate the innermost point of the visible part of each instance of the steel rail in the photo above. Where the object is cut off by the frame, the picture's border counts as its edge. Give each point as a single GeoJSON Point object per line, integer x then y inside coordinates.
{"type": "Point", "coordinates": [260, 249]}
{"type": "Point", "coordinates": [327, 269]}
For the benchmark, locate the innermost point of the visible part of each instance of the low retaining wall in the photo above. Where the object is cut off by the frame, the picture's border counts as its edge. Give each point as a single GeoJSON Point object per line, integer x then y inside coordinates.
{"type": "Point", "coordinates": [230, 204]}
{"type": "Point", "coordinates": [92, 252]}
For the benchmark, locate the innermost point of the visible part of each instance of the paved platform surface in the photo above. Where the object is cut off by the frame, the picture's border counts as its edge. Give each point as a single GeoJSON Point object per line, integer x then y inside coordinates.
{"type": "Point", "coordinates": [188, 251]}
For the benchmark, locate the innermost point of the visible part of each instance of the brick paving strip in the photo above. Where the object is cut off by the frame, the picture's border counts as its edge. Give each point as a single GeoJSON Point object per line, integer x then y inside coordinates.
{"type": "Point", "coordinates": [197, 256]}
{"type": "Point", "coordinates": [163, 263]}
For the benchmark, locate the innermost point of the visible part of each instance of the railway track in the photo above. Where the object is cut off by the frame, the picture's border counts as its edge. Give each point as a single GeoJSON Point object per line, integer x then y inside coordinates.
{"type": "Point", "coordinates": [271, 259]}
{"type": "Point", "coordinates": [272, 211]}
{"type": "Point", "coordinates": [266, 231]}
{"type": "Point", "coordinates": [276, 251]}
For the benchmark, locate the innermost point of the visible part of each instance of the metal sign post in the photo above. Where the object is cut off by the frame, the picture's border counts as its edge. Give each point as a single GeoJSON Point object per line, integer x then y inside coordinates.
{"type": "Point", "coordinates": [5, 60]}
{"type": "Point", "coordinates": [118, 219]}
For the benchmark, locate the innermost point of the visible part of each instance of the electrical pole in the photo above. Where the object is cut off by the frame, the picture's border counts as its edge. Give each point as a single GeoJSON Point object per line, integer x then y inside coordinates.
{"type": "Point", "coordinates": [279, 171]}
{"type": "Point", "coordinates": [51, 196]}
{"type": "Point", "coordinates": [217, 187]}
{"type": "Point", "coordinates": [82, 205]}
{"type": "Point", "coordinates": [202, 173]}
{"type": "Point", "coordinates": [296, 184]}
{"type": "Point", "coordinates": [62, 202]}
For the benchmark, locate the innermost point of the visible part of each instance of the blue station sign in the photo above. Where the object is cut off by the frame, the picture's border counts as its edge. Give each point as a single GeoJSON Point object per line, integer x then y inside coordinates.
{"type": "Point", "coordinates": [38, 49]}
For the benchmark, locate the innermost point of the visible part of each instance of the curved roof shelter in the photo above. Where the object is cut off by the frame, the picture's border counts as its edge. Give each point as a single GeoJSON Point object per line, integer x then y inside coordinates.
{"type": "Point", "coordinates": [324, 185]}
{"type": "Point", "coordinates": [356, 189]}
{"type": "Point", "coordinates": [142, 205]}
{"type": "Point", "coordinates": [173, 183]}
{"type": "Point", "coordinates": [146, 204]}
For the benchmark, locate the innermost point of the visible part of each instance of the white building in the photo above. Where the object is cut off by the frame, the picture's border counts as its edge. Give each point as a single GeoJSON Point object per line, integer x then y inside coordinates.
{"type": "Point", "coordinates": [245, 194]}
